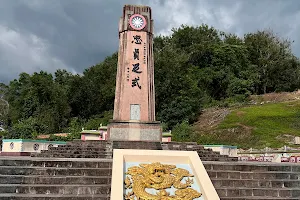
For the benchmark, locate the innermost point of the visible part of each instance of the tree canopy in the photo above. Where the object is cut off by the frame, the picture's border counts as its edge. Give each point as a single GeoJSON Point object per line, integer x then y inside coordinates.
{"type": "Point", "coordinates": [195, 67]}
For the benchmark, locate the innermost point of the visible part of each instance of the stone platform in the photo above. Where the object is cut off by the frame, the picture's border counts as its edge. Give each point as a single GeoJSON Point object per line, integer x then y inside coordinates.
{"type": "Point", "coordinates": [35, 178]}
{"type": "Point", "coordinates": [134, 131]}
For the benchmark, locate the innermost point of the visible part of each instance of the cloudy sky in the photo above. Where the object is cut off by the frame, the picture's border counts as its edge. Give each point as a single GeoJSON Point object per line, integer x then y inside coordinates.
{"type": "Point", "coordinates": [75, 34]}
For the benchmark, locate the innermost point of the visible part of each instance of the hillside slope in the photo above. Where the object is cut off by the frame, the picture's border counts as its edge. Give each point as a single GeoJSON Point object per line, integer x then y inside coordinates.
{"type": "Point", "coordinates": [272, 121]}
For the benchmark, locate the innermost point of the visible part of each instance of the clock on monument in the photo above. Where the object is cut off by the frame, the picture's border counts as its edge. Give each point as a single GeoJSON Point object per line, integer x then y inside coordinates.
{"type": "Point", "coordinates": [137, 22]}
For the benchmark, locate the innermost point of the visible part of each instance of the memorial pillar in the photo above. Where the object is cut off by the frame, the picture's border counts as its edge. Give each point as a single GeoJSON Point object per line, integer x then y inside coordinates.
{"type": "Point", "coordinates": [134, 106]}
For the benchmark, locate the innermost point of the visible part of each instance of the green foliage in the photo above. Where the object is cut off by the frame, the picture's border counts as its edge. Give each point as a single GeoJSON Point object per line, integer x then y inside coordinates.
{"type": "Point", "coordinates": [93, 124]}
{"type": "Point", "coordinates": [164, 127]}
{"type": "Point", "coordinates": [265, 123]}
{"type": "Point", "coordinates": [271, 56]}
{"type": "Point", "coordinates": [182, 132]}
{"type": "Point", "coordinates": [94, 92]}
{"type": "Point", "coordinates": [70, 137]}
{"type": "Point", "coordinates": [195, 67]}
{"type": "Point", "coordinates": [239, 87]}
{"type": "Point", "coordinates": [38, 96]}
{"type": "Point", "coordinates": [177, 94]}
{"type": "Point", "coordinates": [238, 137]}
{"type": "Point", "coordinates": [25, 129]}
{"type": "Point", "coordinates": [75, 127]}
{"type": "Point", "coordinates": [95, 121]}
{"type": "Point", "coordinates": [3, 133]}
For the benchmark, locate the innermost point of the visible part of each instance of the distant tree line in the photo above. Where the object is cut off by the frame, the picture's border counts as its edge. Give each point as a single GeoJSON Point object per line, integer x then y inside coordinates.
{"type": "Point", "coordinates": [195, 67]}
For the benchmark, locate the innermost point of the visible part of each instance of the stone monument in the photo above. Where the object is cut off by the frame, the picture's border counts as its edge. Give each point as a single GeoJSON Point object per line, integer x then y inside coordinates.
{"type": "Point", "coordinates": [134, 106]}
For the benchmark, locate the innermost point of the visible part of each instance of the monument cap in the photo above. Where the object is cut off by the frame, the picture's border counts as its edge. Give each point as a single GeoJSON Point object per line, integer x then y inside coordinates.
{"type": "Point", "coordinates": [136, 18]}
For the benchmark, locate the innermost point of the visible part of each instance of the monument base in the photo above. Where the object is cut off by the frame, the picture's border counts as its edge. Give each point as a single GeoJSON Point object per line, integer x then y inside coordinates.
{"type": "Point", "coordinates": [134, 131]}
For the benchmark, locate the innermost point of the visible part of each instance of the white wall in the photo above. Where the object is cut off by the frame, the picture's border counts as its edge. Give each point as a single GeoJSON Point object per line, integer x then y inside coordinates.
{"type": "Point", "coordinates": [19, 145]}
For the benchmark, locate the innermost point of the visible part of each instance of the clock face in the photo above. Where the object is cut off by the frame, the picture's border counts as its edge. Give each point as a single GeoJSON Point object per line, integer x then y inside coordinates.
{"type": "Point", "coordinates": [137, 22]}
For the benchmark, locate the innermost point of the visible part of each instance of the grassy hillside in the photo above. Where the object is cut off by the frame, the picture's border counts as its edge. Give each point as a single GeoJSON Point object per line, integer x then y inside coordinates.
{"type": "Point", "coordinates": [257, 126]}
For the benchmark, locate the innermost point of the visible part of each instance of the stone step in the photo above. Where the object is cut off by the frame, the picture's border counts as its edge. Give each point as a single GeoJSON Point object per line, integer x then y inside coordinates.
{"type": "Point", "coordinates": [258, 192]}
{"type": "Point", "coordinates": [71, 155]}
{"type": "Point", "coordinates": [92, 148]}
{"type": "Point", "coordinates": [217, 159]}
{"type": "Point", "coordinates": [212, 159]}
{"type": "Point", "coordinates": [48, 154]}
{"type": "Point", "coordinates": [98, 142]}
{"type": "Point", "coordinates": [136, 145]}
{"type": "Point", "coordinates": [10, 196]}
{"type": "Point", "coordinates": [230, 159]}
{"type": "Point", "coordinates": [67, 180]}
{"type": "Point", "coordinates": [64, 173]}
{"type": "Point", "coordinates": [88, 147]}
{"type": "Point", "coordinates": [267, 175]}
{"type": "Point", "coordinates": [71, 147]}
{"type": "Point", "coordinates": [53, 171]}
{"type": "Point", "coordinates": [64, 154]}
{"type": "Point", "coordinates": [78, 164]}
{"type": "Point", "coordinates": [206, 154]}
{"type": "Point", "coordinates": [77, 151]}
{"type": "Point", "coordinates": [11, 179]}
{"type": "Point", "coordinates": [252, 166]}
{"type": "Point", "coordinates": [59, 180]}
{"type": "Point", "coordinates": [258, 198]}
{"type": "Point", "coordinates": [249, 183]}
{"type": "Point", "coordinates": [101, 146]}
{"type": "Point", "coordinates": [55, 189]}
{"type": "Point", "coordinates": [86, 144]}
{"type": "Point", "coordinates": [209, 153]}
{"type": "Point", "coordinates": [254, 183]}
{"type": "Point", "coordinates": [9, 162]}
{"type": "Point", "coordinates": [56, 162]}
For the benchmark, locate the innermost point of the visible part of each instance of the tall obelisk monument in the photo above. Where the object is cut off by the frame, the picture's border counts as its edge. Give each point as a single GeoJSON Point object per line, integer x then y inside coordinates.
{"type": "Point", "coordinates": [134, 107]}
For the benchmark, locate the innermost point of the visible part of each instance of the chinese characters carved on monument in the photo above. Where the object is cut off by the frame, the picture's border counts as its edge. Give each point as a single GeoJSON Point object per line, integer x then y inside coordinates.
{"type": "Point", "coordinates": [137, 39]}
{"type": "Point", "coordinates": [135, 82]}
{"type": "Point", "coordinates": [136, 66]}
{"type": "Point", "coordinates": [136, 54]}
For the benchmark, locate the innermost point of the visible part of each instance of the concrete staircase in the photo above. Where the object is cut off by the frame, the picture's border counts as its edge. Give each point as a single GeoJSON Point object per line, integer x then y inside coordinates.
{"type": "Point", "coordinates": [82, 170]}
{"type": "Point", "coordinates": [243, 181]}
{"type": "Point", "coordinates": [54, 179]}
{"type": "Point", "coordinates": [204, 154]}
{"type": "Point", "coordinates": [88, 179]}
{"type": "Point", "coordinates": [79, 149]}
{"type": "Point", "coordinates": [104, 149]}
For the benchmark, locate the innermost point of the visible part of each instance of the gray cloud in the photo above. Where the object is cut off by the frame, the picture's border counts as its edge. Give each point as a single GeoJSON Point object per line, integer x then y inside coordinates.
{"type": "Point", "coordinates": [75, 34]}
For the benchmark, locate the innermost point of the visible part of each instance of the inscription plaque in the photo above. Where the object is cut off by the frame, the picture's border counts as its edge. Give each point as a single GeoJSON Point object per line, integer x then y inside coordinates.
{"type": "Point", "coordinates": [135, 112]}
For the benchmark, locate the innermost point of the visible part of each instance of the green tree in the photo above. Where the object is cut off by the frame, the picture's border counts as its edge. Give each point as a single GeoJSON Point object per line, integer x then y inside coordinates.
{"type": "Point", "coordinates": [94, 92]}
{"type": "Point", "coordinates": [178, 97]}
{"type": "Point", "coordinates": [4, 105]}
{"type": "Point", "coordinates": [194, 67]}
{"type": "Point", "coordinates": [269, 53]}
{"type": "Point", "coordinates": [182, 132]}
{"type": "Point", "coordinates": [24, 129]}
